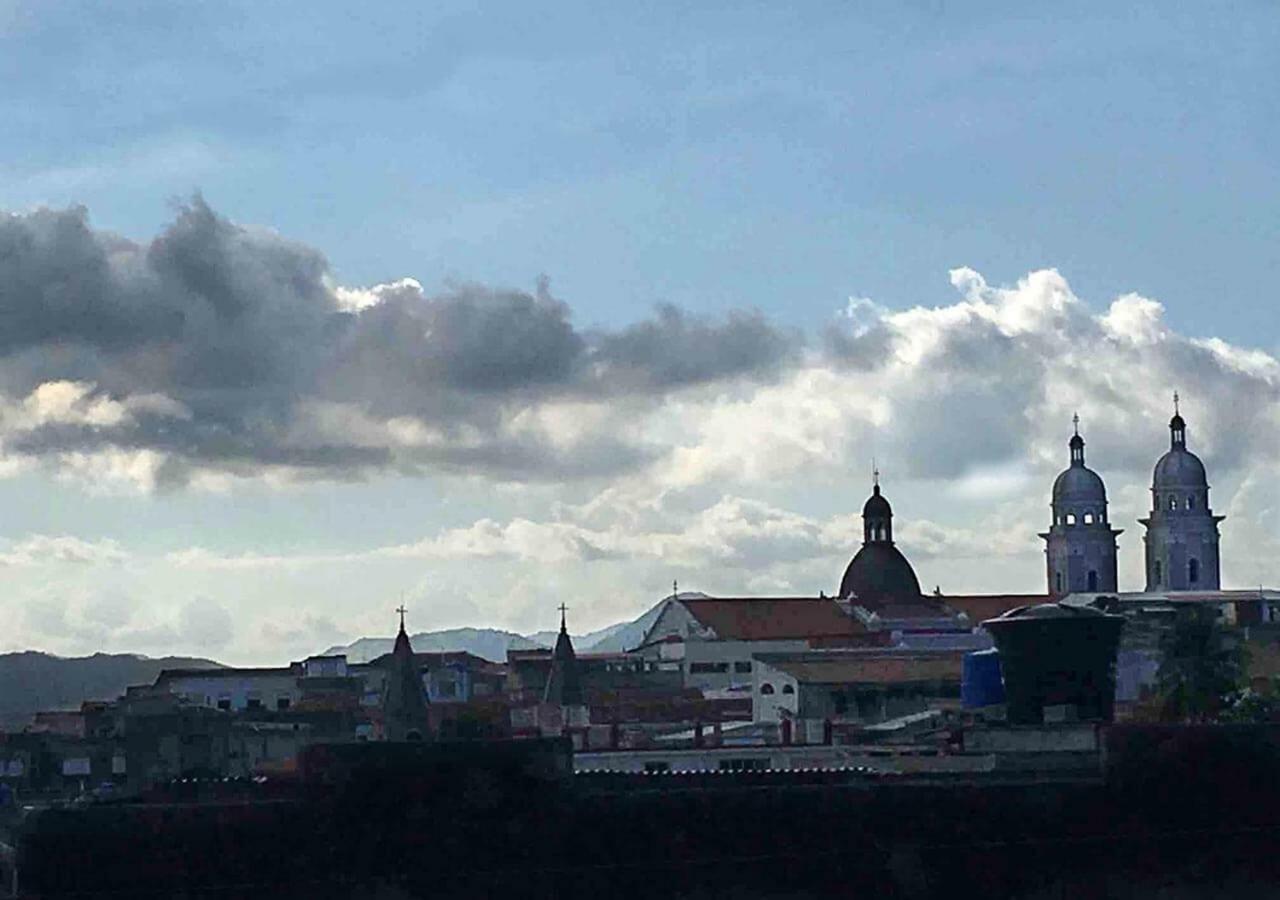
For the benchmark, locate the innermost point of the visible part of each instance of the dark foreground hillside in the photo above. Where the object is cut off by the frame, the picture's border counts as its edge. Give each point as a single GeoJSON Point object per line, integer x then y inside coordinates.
{"type": "Point", "coordinates": [1178, 813]}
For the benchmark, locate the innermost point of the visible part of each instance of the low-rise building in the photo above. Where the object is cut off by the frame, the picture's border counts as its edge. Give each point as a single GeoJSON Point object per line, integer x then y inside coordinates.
{"type": "Point", "coordinates": [810, 694]}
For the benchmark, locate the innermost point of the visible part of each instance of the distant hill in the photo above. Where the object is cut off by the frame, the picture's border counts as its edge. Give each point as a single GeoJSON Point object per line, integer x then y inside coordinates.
{"type": "Point", "coordinates": [489, 643]}
{"type": "Point", "coordinates": [492, 643]}
{"type": "Point", "coordinates": [31, 681]}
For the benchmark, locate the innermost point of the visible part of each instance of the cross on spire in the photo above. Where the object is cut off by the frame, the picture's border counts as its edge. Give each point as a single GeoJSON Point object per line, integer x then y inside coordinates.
{"type": "Point", "coordinates": [563, 610]}
{"type": "Point", "coordinates": [400, 609]}
{"type": "Point", "coordinates": [875, 473]}
{"type": "Point", "coordinates": [1075, 420]}
{"type": "Point", "coordinates": [1176, 411]}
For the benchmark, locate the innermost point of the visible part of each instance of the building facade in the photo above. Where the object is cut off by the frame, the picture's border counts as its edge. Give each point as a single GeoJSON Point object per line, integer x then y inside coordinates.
{"type": "Point", "coordinates": [1080, 545]}
{"type": "Point", "coordinates": [1182, 552]}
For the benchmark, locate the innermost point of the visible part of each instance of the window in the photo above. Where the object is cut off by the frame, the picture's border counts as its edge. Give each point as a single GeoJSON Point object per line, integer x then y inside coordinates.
{"type": "Point", "coordinates": [1193, 571]}
{"type": "Point", "coordinates": [743, 765]}
{"type": "Point", "coordinates": [703, 668]}
{"type": "Point", "coordinates": [1088, 518]}
{"type": "Point", "coordinates": [253, 703]}
{"type": "Point", "coordinates": [224, 703]}
{"type": "Point", "coordinates": [788, 689]}
{"type": "Point", "coordinates": [1158, 571]}
{"type": "Point", "coordinates": [1071, 518]}
{"type": "Point", "coordinates": [1093, 581]}
{"type": "Point", "coordinates": [1191, 502]}
{"type": "Point", "coordinates": [652, 768]}
{"type": "Point", "coordinates": [282, 703]}
{"type": "Point", "coordinates": [840, 701]}
{"type": "Point", "coordinates": [766, 688]}
{"type": "Point", "coordinates": [742, 668]}
{"type": "Point", "coordinates": [1058, 581]}
{"type": "Point", "coordinates": [1173, 502]}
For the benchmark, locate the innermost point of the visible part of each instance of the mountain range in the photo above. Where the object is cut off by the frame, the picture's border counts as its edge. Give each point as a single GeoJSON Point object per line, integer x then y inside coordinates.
{"type": "Point", "coordinates": [493, 643]}
{"type": "Point", "coordinates": [31, 681]}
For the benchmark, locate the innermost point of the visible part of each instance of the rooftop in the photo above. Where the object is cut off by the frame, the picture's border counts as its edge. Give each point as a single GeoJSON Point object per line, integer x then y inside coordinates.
{"type": "Point", "coordinates": [868, 666]}
{"type": "Point", "coordinates": [773, 618]}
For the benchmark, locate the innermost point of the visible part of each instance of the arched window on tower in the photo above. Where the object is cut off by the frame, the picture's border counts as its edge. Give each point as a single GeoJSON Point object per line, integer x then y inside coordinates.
{"type": "Point", "coordinates": [1173, 503]}
{"type": "Point", "coordinates": [766, 688]}
{"type": "Point", "coordinates": [1093, 580]}
{"type": "Point", "coordinates": [1193, 571]}
{"type": "Point", "coordinates": [1071, 518]}
{"type": "Point", "coordinates": [1158, 571]}
{"type": "Point", "coordinates": [1088, 518]}
{"type": "Point", "coordinates": [1191, 502]}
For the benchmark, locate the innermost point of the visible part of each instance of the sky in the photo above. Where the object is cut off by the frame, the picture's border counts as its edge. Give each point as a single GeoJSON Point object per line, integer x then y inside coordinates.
{"type": "Point", "coordinates": [312, 310]}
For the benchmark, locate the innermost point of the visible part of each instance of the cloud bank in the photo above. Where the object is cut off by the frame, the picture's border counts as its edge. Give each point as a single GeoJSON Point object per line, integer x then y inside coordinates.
{"type": "Point", "coordinates": [678, 446]}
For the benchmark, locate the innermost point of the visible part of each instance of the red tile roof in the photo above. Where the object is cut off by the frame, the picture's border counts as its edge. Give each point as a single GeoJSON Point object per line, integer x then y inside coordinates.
{"type": "Point", "coordinates": [872, 669]}
{"type": "Point", "coordinates": [774, 618]}
{"type": "Point", "coordinates": [980, 607]}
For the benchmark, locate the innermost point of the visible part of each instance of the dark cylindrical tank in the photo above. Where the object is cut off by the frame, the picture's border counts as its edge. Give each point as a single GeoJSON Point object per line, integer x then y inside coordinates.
{"type": "Point", "coordinates": [1053, 654]}
{"type": "Point", "coordinates": [980, 683]}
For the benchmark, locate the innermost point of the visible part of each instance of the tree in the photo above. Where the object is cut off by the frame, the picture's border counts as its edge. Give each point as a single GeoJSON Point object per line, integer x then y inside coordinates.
{"type": "Point", "coordinates": [1202, 667]}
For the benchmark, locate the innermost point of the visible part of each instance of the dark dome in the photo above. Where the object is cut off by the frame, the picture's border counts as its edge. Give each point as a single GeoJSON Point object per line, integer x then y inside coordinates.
{"type": "Point", "coordinates": [879, 573]}
{"type": "Point", "coordinates": [1077, 484]}
{"type": "Point", "coordinates": [876, 506]}
{"type": "Point", "coordinates": [1179, 468]}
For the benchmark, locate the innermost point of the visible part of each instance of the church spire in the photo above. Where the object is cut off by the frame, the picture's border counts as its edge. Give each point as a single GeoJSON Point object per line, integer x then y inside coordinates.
{"type": "Point", "coordinates": [1076, 443]}
{"type": "Point", "coordinates": [564, 686]}
{"type": "Point", "coordinates": [877, 515]}
{"type": "Point", "coordinates": [1177, 426]}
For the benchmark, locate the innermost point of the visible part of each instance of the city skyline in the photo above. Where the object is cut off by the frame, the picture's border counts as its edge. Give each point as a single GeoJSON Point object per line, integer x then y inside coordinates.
{"type": "Point", "coordinates": [608, 312]}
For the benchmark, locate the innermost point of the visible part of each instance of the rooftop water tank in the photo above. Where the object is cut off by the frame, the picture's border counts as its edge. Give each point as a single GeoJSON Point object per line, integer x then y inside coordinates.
{"type": "Point", "coordinates": [1053, 654]}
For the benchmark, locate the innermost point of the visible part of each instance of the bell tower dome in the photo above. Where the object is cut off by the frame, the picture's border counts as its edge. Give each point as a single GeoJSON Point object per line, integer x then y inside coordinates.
{"type": "Point", "coordinates": [1080, 545]}
{"type": "Point", "coordinates": [1182, 531]}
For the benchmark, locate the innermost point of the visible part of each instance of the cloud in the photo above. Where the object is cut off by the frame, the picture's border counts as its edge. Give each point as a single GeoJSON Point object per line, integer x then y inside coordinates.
{"type": "Point", "coordinates": [40, 549]}
{"type": "Point", "coordinates": [219, 349]}
{"type": "Point", "coordinates": [205, 624]}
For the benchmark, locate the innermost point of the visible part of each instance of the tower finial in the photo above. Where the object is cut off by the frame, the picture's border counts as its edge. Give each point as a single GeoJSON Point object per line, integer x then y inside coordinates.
{"type": "Point", "coordinates": [1176, 399]}
{"type": "Point", "coordinates": [400, 609]}
{"type": "Point", "coordinates": [875, 475]}
{"type": "Point", "coordinates": [675, 589]}
{"type": "Point", "coordinates": [1075, 420]}
{"type": "Point", "coordinates": [563, 610]}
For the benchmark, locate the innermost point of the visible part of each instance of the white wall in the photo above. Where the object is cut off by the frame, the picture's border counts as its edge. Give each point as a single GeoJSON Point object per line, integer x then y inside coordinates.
{"type": "Point", "coordinates": [770, 707]}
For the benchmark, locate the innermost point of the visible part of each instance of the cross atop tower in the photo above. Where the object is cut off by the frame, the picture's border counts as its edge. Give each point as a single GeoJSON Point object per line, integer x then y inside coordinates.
{"type": "Point", "coordinates": [1176, 411]}
{"type": "Point", "coordinates": [1075, 420]}
{"type": "Point", "coordinates": [563, 610]}
{"type": "Point", "coordinates": [875, 473]}
{"type": "Point", "coordinates": [675, 589]}
{"type": "Point", "coordinates": [400, 609]}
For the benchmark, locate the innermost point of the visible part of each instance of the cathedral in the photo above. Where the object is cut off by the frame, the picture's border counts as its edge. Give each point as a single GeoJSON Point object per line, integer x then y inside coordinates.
{"type": "Point", "coordinates": [1181, 530]}
{"type": "Point", "coordinates": [1080, 546]}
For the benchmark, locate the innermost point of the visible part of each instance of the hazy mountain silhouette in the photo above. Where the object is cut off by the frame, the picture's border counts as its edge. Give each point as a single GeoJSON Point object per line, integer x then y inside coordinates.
{"type": "Point", "coordinates": [31, 681]}
{"type": "Point", "coordinates": [493, 643]}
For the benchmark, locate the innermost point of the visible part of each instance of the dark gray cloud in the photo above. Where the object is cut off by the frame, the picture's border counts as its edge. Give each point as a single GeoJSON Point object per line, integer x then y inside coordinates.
{"type": "Point", "coordinates": [243, 335]}
{"type": "Point", "coordinates": [674, 349]}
